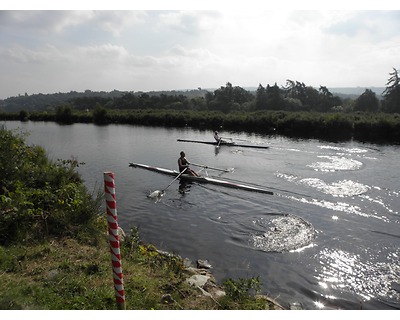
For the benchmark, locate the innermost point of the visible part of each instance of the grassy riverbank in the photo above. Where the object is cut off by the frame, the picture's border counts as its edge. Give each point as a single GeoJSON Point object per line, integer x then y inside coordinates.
{"type": "Point", "coordinates": [54, 252]}
{"type": "Point", "coordinates": [66, 274]}
{"type": "Point", "coordinates": [339, 126]}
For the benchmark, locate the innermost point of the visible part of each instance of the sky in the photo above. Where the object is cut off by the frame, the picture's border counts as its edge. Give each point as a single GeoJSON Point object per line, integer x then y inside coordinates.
{"type": "Point", "coordinates": [49, 49]}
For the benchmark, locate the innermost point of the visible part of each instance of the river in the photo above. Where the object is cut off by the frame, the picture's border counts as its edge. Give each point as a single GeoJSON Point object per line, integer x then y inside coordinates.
{"type": "Point", "coordinates": [329, 237]}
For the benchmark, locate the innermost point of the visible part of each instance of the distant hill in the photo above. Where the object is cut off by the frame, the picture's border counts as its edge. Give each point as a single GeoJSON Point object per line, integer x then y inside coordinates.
{"type": "Point", "coordinates": [357, 90]}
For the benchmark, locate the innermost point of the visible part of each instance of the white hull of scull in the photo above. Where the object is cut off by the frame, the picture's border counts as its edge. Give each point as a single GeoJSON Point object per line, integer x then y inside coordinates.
{"type": "Point", "coordinates": [200, 179]}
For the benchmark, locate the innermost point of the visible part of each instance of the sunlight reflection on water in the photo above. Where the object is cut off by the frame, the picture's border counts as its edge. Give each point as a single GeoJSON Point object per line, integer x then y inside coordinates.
{"type": "Point", "coordinates": [380, 202]}
{"type": "Point", "coordinates": [335, 163]}
{"type": "Point", "coordinates": [285, 233]}
{"type": "Point", "coordinates": [338, 206]}
{"type": "Point", "coordinates": [346, 271]}
{"type": "Point", "coordinates": [343, 149]}
{"type": "Point", "coordinates": [343, 188]}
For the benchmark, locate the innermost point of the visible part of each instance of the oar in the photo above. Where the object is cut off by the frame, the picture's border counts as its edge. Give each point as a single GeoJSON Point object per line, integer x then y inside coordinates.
{"type": "Point", "coordinates": [227, 138]}
{"type": "Point", "coordinates": [212, 168]}
{"type": "Point", "coordinates": [158, 194]}
{"type": "Point", "coordinates": [221, 141]}
{"type": "Point", "coordinates": [177, 177]}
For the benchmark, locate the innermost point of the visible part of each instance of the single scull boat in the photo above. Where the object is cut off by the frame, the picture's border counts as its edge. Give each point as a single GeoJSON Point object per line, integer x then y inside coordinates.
{"type": "Point", "coordinates": [225, 143]}
{"type": "Point", "coordinates": [202, 179]}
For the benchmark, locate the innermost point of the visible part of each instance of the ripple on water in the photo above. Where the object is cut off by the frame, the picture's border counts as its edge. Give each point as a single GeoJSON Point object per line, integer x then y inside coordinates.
{"type": "Point", "coordinates": [345, 271]}
{"type": "Point", "coordinates": [346, 150]}
{"type": "Point", "coordinates": [284, 233]}
{"type": "Point", "coordinates": [336, 163]}
{"type": "Point", "coordinates": [343, 188]}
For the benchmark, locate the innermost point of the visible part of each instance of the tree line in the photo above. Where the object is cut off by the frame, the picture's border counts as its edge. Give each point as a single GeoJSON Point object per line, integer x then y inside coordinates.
{"type": "Point", "coordinates": [293, 96]}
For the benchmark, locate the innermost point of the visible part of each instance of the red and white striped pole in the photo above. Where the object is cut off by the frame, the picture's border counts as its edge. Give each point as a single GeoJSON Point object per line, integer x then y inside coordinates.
{"type": "Point", "coordinates": [112, 221]}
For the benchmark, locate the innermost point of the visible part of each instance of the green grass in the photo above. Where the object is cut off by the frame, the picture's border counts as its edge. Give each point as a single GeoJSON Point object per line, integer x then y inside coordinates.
{"type": "Point", "coordinates": [67, 275]}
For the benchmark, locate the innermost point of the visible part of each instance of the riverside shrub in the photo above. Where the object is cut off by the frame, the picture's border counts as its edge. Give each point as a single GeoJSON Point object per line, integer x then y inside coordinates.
{"type": "Point", "coordinates": [40, 198]}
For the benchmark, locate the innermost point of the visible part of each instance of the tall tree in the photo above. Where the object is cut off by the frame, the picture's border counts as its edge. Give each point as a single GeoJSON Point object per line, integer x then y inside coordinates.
{"type": "Point", "coordinates": [326, 100]}
{"type": "Point", "coordinates": [299, 92]}
{"type": "Point", "coordinates": [325, 91]}
{"type": "Point", "coordinates": [367, 102]}
{"type": "Point", "coordinates": [391, 95]}
{"type": "Point", "coordinates": [64, 113]}
{"type": "Point", "coordinates": [228, 98]}
{"type": "Point", "coordinates": [261, 98]}
{"type": "Point", "coordinates": [274, 97]}
{"type": "Point", "coordinates": [296, 90]}
{"type": "Point", "coordinates": [99, 114]}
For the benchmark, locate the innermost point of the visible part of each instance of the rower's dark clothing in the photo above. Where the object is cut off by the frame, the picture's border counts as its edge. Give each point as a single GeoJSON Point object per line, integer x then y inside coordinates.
{"type": "Point", "coordinates": [182, 163]}
{"type": "Point", "coordinates": [216, 137]}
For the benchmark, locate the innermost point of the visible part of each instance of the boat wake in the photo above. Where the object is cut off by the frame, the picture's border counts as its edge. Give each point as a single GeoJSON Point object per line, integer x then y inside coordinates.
{"type": "Point", "coordinates": [344, 188]}
{"type": "Point", "coordinates": [284, 233]}
{"type": "Point", "coordinates": [356, 197]}
{"type": "Point", "coordinates": [156, 195]}
{"type": "Point", "coordinates": [335, 163]}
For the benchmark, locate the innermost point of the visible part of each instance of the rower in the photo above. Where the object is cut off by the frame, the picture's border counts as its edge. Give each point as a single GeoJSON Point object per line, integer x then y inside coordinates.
{"type": "Point", "coordinates": [184, 163]}
{"type": "Point", "coordinates": [217, 137]}
{"type": "Point", "coordinates": [220, 140]}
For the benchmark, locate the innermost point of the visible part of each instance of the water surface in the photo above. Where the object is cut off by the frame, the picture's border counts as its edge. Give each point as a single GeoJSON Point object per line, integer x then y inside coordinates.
{"type": "Point", "coordinates": [328, 238]}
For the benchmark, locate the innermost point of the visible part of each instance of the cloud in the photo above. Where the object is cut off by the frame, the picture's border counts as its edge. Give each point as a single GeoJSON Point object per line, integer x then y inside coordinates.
{"type": "Point", "coordinates": [24, 56]}
{"type": "Point", "coordinates": [190, 22]}
{"type": "Point", "coordinates": [102, 54]}
{"type": "Point", "coordinates": [46, 51]}
{"type": "Point", "coordinates": [42, 21]}
{"type": "Point", "coordinates": [117, 22]}
{"type": "Point", "coordinates": [373, 25]}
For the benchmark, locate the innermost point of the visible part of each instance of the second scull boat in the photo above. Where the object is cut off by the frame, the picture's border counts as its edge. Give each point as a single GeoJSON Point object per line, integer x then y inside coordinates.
{"type": "Point", "coordinates": [225, 143]}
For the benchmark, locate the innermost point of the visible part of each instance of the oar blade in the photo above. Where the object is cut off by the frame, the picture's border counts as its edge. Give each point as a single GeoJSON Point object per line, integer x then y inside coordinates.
{"type": "Point", "coordinates": [156, 195]}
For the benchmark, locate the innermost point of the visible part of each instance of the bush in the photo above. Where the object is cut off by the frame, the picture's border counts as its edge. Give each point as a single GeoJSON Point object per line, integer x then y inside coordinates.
{"type": "Point", "coordinates": [39, 198]}
{"type": "Point", "coordinates": [240, 289]}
